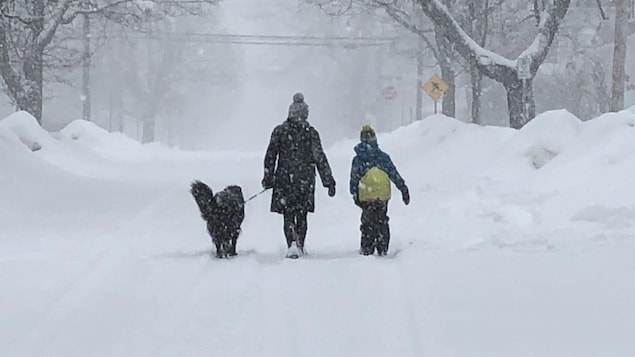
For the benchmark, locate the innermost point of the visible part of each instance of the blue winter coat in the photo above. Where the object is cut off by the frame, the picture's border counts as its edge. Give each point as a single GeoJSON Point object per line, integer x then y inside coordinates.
{"type": "Point", "coordinates": [369, 155]}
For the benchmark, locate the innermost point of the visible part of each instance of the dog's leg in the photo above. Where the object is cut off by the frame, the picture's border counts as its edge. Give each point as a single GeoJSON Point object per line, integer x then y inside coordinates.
{"type": "Point", "coordinates": [219, 249]}
{"type": "Point", "coordinates": [232, 250]}
{"type": "Point", "coordinates": [232, 243]}
{"type": "Point", "coordinates": [228, 247]}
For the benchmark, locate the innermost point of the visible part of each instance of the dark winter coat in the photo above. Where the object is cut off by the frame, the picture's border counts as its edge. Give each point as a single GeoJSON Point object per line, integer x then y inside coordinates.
{"type": "Point", "coordinates": [369, 155]}
{"type": "Point", "coordinates": [293, 153]}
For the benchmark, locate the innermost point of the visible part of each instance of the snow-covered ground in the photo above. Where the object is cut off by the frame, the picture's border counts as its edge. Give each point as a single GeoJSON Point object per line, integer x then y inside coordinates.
{"type": "Point", "coordinates": [516, 243]}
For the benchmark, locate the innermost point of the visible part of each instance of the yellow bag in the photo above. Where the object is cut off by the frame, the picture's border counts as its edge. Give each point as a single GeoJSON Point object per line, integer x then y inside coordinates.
{"type": "Point", "coordinates": [374, 185]}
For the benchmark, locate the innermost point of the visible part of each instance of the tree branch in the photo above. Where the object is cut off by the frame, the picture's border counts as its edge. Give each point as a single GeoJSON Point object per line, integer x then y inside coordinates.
{"type": "Point", "coordinates": [604, 17]}
{"type": "Point", "coordinates": [28, 20]}
{"type": "Point", "coordinates": [57, 16]}
{"type": "Point", "coordinates": [67, 20]}
{"type": "Point", "coordinates": [554, 12]}
{"type": "Point", "coordinates": [396, 14]}
{"type": "Point", "coordinates": [489, 63]}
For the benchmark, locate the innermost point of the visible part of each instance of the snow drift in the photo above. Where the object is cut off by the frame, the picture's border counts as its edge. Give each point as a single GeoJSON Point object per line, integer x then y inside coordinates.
{"type": "Point", "coordinates": [516, 243]}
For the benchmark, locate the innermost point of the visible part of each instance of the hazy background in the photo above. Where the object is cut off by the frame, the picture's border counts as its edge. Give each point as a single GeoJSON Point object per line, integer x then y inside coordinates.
{"type": "Point", "coordinates": [209, 92]}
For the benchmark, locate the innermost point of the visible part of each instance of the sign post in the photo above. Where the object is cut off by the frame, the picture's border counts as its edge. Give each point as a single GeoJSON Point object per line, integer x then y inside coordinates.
{"type": "Point", "coordinates": [524, 73]}
{"type": "Point", "coordinates": [435, 87]}
{"type": "Point", "coordinates": [389, 93]}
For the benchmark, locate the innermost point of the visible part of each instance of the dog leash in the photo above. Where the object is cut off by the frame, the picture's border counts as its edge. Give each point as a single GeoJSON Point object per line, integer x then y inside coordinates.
{"type": "Point", "coordinates": [256, 195]}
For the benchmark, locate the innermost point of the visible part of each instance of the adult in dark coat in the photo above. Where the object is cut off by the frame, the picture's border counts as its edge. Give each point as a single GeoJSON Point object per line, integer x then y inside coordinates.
{"type": "Point", "coordinates": [293, 153]}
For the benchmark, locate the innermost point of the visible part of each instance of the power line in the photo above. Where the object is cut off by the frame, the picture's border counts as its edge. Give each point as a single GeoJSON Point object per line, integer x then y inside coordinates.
{"type": "Point", "coordinates": [271, 40]}
{"type": "Point", "coordinates": [284, 37]}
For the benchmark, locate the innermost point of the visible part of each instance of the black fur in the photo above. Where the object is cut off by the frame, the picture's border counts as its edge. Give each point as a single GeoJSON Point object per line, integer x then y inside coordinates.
{"type": "Point", "coordinates": [224, 213]}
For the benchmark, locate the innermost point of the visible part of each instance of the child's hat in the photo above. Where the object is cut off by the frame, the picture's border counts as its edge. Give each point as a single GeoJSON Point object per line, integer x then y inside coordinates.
{"type": "Point", "coordinates": [367, 135]}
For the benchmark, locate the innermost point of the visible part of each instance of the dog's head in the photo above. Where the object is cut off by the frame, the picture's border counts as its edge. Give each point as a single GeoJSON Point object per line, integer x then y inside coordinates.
{"type": "Point", "coordinates": [230, 201]}
{"type": "Point", "coordinates": [236, 191]}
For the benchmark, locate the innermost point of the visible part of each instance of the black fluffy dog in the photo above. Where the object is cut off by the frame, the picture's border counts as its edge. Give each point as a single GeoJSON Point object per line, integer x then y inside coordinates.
{"type": "Point", "coordinates": [224, 212]}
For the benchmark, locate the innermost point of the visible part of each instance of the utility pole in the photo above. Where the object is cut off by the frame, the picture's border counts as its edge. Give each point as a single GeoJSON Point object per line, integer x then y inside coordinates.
{"type": "Point", "coordinates": [86, 63]}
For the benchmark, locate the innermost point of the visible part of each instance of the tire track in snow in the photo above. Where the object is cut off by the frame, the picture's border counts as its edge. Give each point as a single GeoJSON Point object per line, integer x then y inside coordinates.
{"type": "Point", "coordinates": [212, 311]}
{"type": "Point", "coordinates": [410, 309]}
{"type": "Point", "coordinates": [337, 307]}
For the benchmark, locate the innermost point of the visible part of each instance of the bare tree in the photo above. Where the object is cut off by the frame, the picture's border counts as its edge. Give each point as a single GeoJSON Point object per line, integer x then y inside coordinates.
{"type": "Point", "coordinates": [25, 32]}
{"type": "Point", "coordinates": [28, 27]}
{"type": "Point", "coordinates": [521, 106]}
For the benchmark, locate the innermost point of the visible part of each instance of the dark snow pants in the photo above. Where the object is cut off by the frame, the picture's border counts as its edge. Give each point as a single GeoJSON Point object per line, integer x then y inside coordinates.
{"type": "Point", "coordinates": [374, 227]}
{"type": "Point", "coordinates": [295, 227]}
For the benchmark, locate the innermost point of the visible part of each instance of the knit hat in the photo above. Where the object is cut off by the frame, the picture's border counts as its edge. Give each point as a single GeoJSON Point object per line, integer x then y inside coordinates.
{"type": "Point", "coordinates": [298, 98]}
{"type": "Point", "coordinates": [367, 135]}
{"type": "Point", "coordinates": [298, 109]}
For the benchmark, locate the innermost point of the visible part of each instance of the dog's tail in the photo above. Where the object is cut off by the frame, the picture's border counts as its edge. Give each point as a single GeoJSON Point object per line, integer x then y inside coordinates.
{"type": "Point", "coordinates": [204, 197]}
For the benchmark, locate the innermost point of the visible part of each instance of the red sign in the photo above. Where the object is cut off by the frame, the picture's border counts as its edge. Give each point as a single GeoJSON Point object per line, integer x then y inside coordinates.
{"type": "Point", "coordinates": [389, 93]}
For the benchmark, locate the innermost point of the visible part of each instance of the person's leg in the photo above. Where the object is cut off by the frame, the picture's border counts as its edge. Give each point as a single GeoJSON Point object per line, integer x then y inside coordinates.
{"type": "Point", "coordinates": [366, 246]}
{"type": "Point", "coordinates": [383, 228]}
{"type": "Point", "coordinates": [232, 246]}
{"type": "Point", "coordinates": [289, 228]}
{"type": "Point", "coordinates": [373, 225]}
{"type": "Point", "coordinates": [301, 229]}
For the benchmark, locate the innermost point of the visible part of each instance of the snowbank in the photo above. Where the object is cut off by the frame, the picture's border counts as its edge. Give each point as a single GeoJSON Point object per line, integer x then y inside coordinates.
{"type": "Point", "coordinates": [23, 127]}
{"type": "Point", "coordinates": [84, 149]}
{"type": "Point", "coordinates": [552, 172]}
{"type": "Point", "coordinates": [21, 141]}
{"type": "Point", "coordinates": [87, 136]}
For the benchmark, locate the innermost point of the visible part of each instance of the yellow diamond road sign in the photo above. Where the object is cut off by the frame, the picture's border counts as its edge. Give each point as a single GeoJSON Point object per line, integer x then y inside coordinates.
{"type": "Point", "coordinates": [435, 87]}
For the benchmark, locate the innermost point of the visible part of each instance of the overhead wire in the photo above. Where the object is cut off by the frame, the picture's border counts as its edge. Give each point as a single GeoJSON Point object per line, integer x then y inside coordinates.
{"type": "Point", "coordinates": [272, 40]}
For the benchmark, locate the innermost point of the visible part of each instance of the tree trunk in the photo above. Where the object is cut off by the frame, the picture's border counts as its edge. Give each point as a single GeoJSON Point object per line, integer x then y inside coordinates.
{"type": "Point", "coordinates": [149, 124]}
{"type": "Point", "coordinates": [420, 64]}
{"type": "Point", "coordinates": [9, 76]}
{"type": "Point", "coordinates": [619, 55]}
{"type": "Point", "coordinates": [476, 79]}
{"type": "Point", "coordinates": [33, 68]}
{"type": "Point", "coordinates": [86, 107]}
{"type": "Point", "coordinates": [120, 112]}
{"type": "Point", "coordinates": [26, 87]}
{"type": "Point", "coordinates": [449, 97]}
{"type": "Point", "coordinates": [479, 23]}
{"type": "Point", "coordinates": [447, 72]}
{"type": "Point", "coordinates": [520, 102]}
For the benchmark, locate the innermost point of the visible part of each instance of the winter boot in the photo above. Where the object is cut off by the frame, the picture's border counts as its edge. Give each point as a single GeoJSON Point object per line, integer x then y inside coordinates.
{"type": "Point", "coordinates": [293, 252]}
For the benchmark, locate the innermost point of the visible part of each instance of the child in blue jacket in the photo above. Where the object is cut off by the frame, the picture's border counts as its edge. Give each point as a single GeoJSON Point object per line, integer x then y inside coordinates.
{"type": "Point", "coordinates": [372, 171]}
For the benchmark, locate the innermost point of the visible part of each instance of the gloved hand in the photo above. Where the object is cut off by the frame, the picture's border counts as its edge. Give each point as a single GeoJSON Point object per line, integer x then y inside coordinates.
{"type": "Point", "coordinates": [332, 190]}
{"type": "Point", "coordinates": [267, 183]}
{"type": "Point", "coordinates": [405, 196]}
